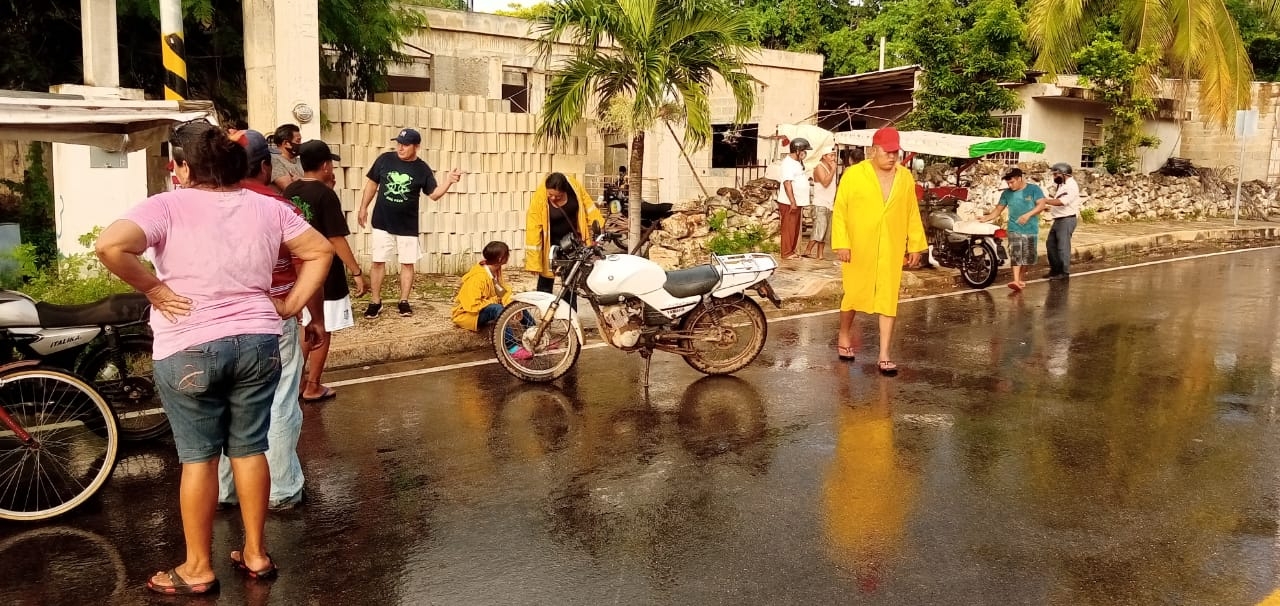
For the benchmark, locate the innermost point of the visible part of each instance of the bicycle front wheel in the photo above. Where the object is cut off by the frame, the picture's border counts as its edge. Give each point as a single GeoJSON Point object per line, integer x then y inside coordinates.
{"type": "Point", "coordinates": [69, 448]}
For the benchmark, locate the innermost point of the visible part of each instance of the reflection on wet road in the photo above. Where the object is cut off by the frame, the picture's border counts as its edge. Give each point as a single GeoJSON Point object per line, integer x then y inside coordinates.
{"type": "Point", "coordinates": [1108, 441]}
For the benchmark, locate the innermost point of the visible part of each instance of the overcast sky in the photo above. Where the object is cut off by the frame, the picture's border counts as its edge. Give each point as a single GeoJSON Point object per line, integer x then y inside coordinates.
{"type": "Point", "coordinates": [488, 6]}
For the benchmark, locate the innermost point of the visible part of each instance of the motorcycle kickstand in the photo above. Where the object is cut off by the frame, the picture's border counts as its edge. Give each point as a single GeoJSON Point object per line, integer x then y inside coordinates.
{"type": "Point", "coordinates": [647, 354]}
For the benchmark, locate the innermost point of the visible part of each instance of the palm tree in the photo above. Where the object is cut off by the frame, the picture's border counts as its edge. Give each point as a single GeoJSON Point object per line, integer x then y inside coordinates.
{"type": "Point", "coordinates": [650, 55]}
{"type": "Point", "coordinates": [1196, 39]}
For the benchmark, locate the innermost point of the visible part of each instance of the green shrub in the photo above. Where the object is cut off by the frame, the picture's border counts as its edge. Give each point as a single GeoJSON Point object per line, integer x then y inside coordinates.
{"type": "Point", "coordinates": [34, 214]}
{"type": "Point", "coordinates": [748, 239]}
{"type": "Point", "coordinates": [1089, 215]}
{"type": "Point", "coordinates": [69, 280]}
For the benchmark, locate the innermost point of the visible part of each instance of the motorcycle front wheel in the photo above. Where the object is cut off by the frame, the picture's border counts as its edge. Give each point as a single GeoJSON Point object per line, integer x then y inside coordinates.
{"type": "Point", "coordinates": [546, 360]}
{"type": "Point", "coordinates": [125, 377]}
{"type": "Point", "coordinates": [726, 336]}
{"type": "Point", "coordinates": [980, 265]}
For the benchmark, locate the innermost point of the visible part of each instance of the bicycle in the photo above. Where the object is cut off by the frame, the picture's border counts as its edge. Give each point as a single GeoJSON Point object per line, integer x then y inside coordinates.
{"type": "Point", "coordinates": [59, 441]}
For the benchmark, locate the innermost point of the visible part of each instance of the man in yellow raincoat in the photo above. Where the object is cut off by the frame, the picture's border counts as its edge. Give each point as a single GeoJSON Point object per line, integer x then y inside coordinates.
{"type": "Point", "coordinates": [876, 220]}
{"type": "Point", "coordinates": [560, 206]}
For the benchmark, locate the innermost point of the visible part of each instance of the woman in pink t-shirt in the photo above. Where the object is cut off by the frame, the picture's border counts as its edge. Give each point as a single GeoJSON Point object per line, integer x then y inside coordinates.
{"type": "Point", "coordinates": [217, 357]}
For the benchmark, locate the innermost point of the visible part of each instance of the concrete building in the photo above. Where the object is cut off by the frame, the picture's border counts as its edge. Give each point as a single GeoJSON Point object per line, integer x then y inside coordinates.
{"type": "Point", "coordinates": [494, 57]}
{"type": "Point", "coordinates": [1066, 117]}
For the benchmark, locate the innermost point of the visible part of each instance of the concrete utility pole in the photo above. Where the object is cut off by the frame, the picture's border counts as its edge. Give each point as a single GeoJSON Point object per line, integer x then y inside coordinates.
{"type": "Point", "coordinates": [282, 64]}
{"type": "Point", "coordinates": [173, 50]}
{"type": "Point", "coordinates": [98, 37]}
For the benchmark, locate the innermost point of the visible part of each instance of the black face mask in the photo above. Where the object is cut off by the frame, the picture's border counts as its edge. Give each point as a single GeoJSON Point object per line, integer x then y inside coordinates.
{"type": "Point", "coordinates": [1059, 179]}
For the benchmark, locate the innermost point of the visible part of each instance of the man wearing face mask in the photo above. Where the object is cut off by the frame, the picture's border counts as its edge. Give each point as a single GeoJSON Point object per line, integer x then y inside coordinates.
{"type": "Point", "coordinates": [285, 167]}
{"type": "Point", "coordinates": [1064, 209]}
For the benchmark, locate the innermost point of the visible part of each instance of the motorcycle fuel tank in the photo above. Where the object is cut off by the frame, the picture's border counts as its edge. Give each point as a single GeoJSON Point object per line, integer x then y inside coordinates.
{"type": "Point", "coordinates": [943, 219]}
{"type": "Point", "coordinates": [17, 309]}
{"type": "Point", "coordinates": [625, 275]}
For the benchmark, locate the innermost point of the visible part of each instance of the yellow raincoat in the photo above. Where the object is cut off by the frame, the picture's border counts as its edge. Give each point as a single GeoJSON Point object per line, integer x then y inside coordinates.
{"type": "Point", "coordinates": [477, 292]}
{"type": "Point", "coordinates": [867, 497]}
{"type": "Point", "coordinates": [537, 234]}
{"type": "Point", "coordinates": [877, 235]}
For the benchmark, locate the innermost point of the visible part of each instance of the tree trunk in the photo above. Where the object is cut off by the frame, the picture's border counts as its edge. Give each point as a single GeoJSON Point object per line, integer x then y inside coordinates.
{"type": "Point", "coordinates": [633, 192]}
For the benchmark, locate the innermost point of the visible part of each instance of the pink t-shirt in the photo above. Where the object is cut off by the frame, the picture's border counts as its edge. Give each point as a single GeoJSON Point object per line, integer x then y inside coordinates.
{"type": "Point", "coordinates": [217, 249]}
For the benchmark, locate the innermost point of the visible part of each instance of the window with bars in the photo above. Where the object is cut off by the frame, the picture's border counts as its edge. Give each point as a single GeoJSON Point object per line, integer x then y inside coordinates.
{"type": "Point", "coordinates": [733, 147]}
{"type": "Point", "coordinates": [1010, 127]}
{"type": "Point", "coordinates": [1090, 142]}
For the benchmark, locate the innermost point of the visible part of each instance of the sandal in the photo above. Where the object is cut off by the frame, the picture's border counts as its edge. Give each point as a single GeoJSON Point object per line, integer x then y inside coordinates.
{"type": "Point", "coordinates": [1015, 286]}
{"type": "Point", "coordinates": [327, 394]}
{"type": "Point", "coordinates": [846, 353]}
{"type": "Point", "coordinates": [887, 368]}
{"type": "Point", "coordinates": [265, 574]}
{"type": "Point", "coordinates": [179, 586]}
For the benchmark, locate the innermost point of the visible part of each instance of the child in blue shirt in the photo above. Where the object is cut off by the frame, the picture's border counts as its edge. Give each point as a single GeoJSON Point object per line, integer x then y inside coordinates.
{"type": "Point", "coordinates": [1025, 203]}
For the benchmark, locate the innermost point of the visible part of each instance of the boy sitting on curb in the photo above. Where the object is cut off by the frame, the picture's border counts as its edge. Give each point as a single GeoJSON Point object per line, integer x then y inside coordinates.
{"type": "Point", "coordinates": [483, 293]}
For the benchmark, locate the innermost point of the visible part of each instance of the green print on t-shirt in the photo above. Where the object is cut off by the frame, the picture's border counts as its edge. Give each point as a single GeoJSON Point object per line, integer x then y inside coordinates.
{"type": "Point", "coordinates": [396, 188]}
{"type": "Point", "coordinates": [302, 205]}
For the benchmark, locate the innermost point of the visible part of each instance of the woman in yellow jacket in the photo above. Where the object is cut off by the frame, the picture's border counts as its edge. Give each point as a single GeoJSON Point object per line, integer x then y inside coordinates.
{"type": "Point", "coordinates": [559, 207]}
{"type": "Point", "coordinates": [876, 219]}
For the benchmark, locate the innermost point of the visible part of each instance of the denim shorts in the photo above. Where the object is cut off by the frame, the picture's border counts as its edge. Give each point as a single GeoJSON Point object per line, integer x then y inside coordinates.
{"type": "Point", "coordinates": [218, 396]}
{"type": "Point", "coordinates": [1022, 249]}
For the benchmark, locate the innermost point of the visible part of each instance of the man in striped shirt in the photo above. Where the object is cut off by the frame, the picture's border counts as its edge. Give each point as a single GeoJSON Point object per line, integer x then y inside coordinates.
{"type": "Point", "coordinates": [286, 410]}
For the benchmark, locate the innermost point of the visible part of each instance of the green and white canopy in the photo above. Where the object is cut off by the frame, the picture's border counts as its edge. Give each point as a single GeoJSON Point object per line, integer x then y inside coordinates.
{"type": "Point", "coordinates": [940, 144]}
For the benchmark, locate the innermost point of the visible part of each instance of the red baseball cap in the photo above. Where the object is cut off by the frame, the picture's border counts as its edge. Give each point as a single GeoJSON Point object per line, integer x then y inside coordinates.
{"type": "Point", "coordinates": [887, 139]}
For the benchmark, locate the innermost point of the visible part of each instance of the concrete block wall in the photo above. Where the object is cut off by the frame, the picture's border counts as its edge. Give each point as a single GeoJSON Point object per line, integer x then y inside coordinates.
{"type": "Point", "coordinates": [1208, 144]}
{"type": "Point", "coordinates": [497, 151]}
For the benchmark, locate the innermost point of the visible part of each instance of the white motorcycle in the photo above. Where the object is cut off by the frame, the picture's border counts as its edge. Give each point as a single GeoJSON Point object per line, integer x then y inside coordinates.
{"type": "Point", "coordinates": [701, 314]}
{"type": "Point", "coordinates": [973, 247]}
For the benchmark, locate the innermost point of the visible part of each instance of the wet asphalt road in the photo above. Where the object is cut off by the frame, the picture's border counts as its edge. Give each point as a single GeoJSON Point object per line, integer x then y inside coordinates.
{"type": "Point", "coordinates": [1108, 441]}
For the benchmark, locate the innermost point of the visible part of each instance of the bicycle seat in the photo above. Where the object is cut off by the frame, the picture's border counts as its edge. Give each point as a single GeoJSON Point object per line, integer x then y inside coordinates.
{"type": "Point", "coordinates": [115, 309]}
{"type": "Point", "coordinates": [691, 282]}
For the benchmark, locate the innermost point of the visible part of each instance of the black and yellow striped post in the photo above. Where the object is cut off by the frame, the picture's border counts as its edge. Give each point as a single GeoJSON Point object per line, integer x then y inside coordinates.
{"type": "Point", "coordinates": [173, 50]}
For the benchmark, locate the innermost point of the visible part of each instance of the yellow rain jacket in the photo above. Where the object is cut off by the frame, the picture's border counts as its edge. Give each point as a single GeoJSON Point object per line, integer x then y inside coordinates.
{"type": "Point", "coordinates": [477, 292]}
{"type": "Point", "coordinates": [877, 234]}
{"type": "Point", "coordinates": [537, 235]}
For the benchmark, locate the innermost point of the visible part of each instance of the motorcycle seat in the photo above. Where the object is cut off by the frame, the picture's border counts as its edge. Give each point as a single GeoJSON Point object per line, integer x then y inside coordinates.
{"type": "Point", "coordinates": [115, 309]}
{"type": "Point", "coordinates": [691, 282]}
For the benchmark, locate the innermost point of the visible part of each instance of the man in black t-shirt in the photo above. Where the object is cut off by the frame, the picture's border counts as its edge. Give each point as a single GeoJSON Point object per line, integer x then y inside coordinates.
{"type": "Point", "coordinates": [322, 208]}
{"type": "Point", "coordinates": [398, 179]}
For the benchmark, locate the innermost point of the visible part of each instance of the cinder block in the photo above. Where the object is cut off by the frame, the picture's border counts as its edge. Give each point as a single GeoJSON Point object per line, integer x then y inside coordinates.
{"type": "Point", "coordinates": [359, 111]}
{"type": "Point", "coordinates": [435, 117]}
{"type": "Point", "coordinates": [490, 122]}
{"type": "Point", "coordinates": [491, 142]}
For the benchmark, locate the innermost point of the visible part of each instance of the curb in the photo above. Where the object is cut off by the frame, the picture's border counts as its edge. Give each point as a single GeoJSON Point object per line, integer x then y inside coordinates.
{"type": "Point", "coordinates": [452, 341]}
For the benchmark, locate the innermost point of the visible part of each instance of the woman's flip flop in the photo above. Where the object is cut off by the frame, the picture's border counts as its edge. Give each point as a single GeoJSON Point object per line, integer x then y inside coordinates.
{"type": "Point", "coordinates": [846, 353]}
{"type": "Point", "coordinates": [179, 586]}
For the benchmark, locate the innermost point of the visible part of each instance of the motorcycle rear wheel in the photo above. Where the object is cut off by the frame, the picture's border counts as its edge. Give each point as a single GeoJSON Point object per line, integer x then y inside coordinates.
{"type": "Point", "coordinates": [547, 360]}
{"type": "Point", "coordinates": [981, 265]}
{"type": "Point", "coordinates": [728, 335]}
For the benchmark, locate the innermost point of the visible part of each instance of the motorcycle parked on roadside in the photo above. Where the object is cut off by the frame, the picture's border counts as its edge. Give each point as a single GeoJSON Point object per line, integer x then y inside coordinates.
{"type": "Point", "coordinates": [973, 247]}
{"type": "Point", "coordinates": [106, 342]}
{"type": "Point", "coordinates": [701, 314]}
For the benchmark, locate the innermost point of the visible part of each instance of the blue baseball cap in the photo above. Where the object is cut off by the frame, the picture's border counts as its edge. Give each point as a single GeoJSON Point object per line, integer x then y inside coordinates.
{"type": "Point", "coordinates": [408, 136]}
{"type": "Point", "coordinates": [254, 144]}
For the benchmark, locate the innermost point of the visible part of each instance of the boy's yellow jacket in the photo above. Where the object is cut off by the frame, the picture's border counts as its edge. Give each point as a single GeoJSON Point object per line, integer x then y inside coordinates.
{"type": "Point", "coordinates": [537, 234]}
{"type": "Point", "coordinates": [477, 292]}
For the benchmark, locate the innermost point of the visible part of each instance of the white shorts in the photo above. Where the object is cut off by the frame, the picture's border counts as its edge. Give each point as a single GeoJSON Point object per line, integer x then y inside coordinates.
{"type": "Point", "coordinates": [337, 315]}
{"type": "Point", "coordinates": [384, 245]}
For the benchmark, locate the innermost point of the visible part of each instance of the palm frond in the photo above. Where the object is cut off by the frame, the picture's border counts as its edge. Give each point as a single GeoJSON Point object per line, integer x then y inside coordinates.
{"type": "Point", "coordinates": [1057, 29]}
{"type": "Point", "coordinates": [567, 97]}
{"type": "Point", "coordinates": [1207, 46]}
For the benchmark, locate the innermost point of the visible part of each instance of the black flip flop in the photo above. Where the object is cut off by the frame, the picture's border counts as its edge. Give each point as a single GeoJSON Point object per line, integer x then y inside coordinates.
{"type": "Point", "coordinates": [180, 586]}
{"type": "Point", "coordinates": [887, 368]}
{"type": "Point", "coordinates": [840, 353]}
{"type": "Point", "coordinates": [265, 574]}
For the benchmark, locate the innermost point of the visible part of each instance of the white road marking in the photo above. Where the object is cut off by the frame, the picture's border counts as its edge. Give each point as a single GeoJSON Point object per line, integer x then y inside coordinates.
{"type": "Point", "coordinates": [796, 317]}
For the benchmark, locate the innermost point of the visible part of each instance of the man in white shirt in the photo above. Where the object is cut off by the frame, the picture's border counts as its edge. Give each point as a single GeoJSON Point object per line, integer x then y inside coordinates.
{"type": "Point", "coordinates": [793, 195]}
{"type": "Point", "coordinates": [1064, 209]}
